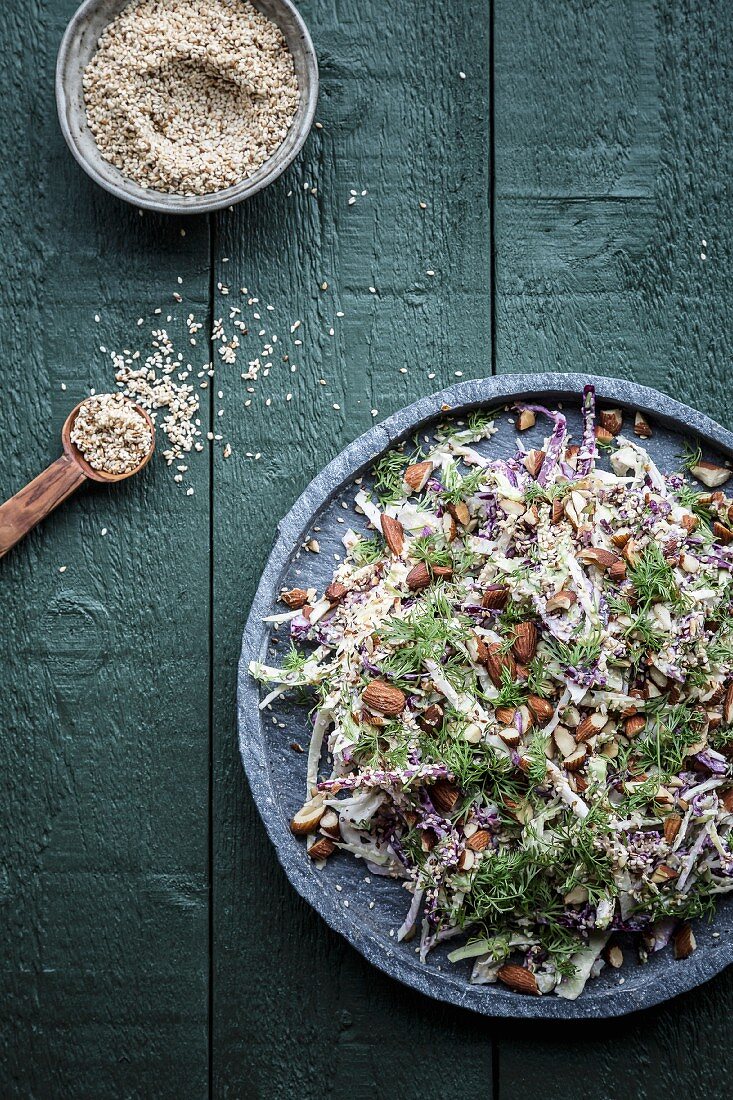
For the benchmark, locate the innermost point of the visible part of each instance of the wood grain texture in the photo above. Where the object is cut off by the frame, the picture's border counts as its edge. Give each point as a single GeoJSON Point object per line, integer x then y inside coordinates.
{"type": "Point", "coordinates": [104, 667]}
{"type": "Point", "coordinates": [296, 1011]}
{"type": "Point", "coordinates": [613, 159]}
{"type": "Point", "coordinates": [613, 155]}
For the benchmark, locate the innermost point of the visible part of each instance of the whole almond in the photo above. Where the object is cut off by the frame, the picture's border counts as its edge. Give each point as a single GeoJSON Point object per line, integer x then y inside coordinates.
{"type": "Point", "coordinates": [672, 824]}
{"type": "Point", "coordinates": [322, 848]}
{"type": "Point", "coordinates": [385, 698]}
{"type": "Point", "coordinates": [518, 979]}
{"type": "Point", "coordinates": [496, 661]}
{"type": "Point", "coordinates": [505, 715]}
{"type": "Point", "coordinates": [416, 475]}
{"type": "Point", "coordinates": [394, 534]}
{"type": "Point", "coordinates": [335, 592]}
{"type": "Point", "coordinates": [642, 428]}
{"type": "Point", "coordinates": [525, 642]}
{"type": "Point", "coordinates": [542, 709]}
{"type": "Point", "coordinates": [480, 841]}
{"type": "Point", "coordinates": [441, 572]}
{"type": "Point", "coordinates": [684, 941]}
{"type": "Point", "coordinates": [495, 596]}
{"type": "Point", "coordinates": [418, 577]}
{"type": "Point", "coordinates": [444, 796]}
{"type": "Point", "coordinates": [295, 598]}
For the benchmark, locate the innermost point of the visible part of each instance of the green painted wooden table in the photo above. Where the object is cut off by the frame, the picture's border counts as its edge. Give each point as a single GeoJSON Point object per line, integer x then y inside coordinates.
{"type": "Point", "coordinates": [564, 170]}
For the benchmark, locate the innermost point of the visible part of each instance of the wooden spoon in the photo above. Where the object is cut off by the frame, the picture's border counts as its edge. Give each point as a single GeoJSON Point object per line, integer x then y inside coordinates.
{"type": "Point", "coordinates": [28, 507]}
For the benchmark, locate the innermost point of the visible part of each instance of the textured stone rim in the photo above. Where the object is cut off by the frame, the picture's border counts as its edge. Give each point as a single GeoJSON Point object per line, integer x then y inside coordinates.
{"type": "Point", "coordinates": [442, 985]}
{"type": "Point", "coordinates": [72, 116]}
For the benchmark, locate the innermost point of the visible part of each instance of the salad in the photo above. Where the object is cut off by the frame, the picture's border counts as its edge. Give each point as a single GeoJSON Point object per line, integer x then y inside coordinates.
{"type": "Point", "coordinates": [524, 683]}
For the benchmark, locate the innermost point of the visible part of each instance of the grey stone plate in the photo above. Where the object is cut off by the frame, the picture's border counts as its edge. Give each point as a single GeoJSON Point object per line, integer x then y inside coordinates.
{"type": "Point", "coordinates": [277, 774]}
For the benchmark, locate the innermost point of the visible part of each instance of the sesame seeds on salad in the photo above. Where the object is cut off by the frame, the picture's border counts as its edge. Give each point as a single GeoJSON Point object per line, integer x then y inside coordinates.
{"type": "Point", "coordinates": [524, 686]}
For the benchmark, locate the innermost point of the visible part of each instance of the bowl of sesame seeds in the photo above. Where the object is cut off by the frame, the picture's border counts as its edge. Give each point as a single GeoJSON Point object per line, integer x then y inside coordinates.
{"type": "Point", "coordinates": [186, 106]}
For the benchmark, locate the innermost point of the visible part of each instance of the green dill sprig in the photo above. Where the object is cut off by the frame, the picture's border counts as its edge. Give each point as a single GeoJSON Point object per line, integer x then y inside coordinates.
{"type": "Point", "coordinates": [534, 493]}
{"type": "Point", "coordinates": [537, 756]}
{"type": "Point", "coordinates": [653, 578]}
{"type": "Point", "coordinates": [691, 456]}
{"type": "Point", "coordinates": [477, 427]}
{"type": "Point", "coordinates": [582, 654]}
{"type": "Point", "coordinates": [458, 487]}
{"type": "Point", "coordinates": [388, 474]}
{"type": "Point", "coordinates": [669, 734]}
{"type": "Point", "coordinates": [294, 660]}
{"type": "Point", "coordinates": [429, 627]}
{"type": "Point", "coordinates": [432, 550]}
{"type": "Point", "coordinates": [366, 551]}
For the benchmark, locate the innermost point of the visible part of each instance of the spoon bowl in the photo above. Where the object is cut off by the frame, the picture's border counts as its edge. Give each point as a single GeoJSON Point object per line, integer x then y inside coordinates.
{"type": "Point", "coordinates": [71, 449]}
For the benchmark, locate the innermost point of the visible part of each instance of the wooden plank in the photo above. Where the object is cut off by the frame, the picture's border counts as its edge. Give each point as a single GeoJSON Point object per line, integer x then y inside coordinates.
{"type": "Point", "coordinates": [103, 705]}
{"type": "Point", "coordinates": [296, 1011]}
{"type": "Point", "coordinates": [612, 168]}
{"type": "Point", "coordinates": [613, 160]}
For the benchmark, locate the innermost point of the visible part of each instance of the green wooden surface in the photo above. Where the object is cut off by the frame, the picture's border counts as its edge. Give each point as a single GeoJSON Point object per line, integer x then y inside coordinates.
{"type": "Point", "coordinates": [152, 946]}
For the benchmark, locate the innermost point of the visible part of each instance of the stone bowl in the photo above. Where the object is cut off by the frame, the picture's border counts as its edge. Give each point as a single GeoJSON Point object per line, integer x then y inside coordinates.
{"type": "Point", "coordinates": [78, 46]}
{"type": "Point", "coordinates": [276, 774]}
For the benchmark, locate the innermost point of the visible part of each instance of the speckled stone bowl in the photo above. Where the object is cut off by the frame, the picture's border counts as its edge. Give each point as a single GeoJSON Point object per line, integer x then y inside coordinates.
{"type": "Point", "coordinates": [79, 45]}
{"type": "Point", "coordinates": [277, 774]}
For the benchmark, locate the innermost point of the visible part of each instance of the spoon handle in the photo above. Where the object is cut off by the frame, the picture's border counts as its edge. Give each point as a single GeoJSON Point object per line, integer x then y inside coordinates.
{"type": "Point", "coordinates": [23, 511]}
